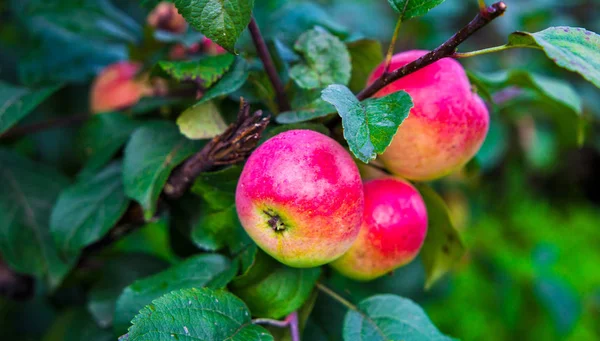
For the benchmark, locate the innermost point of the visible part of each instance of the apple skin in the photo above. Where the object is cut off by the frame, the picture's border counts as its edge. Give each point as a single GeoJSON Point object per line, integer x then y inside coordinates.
{"type": "Point", "coordinates": [446, 126]}
{"type": "Point", "coordinates": [300, 198]}
{"type": "Point", "coordinates": [392, 232]}
{"type": "Point", "coordinates": [211, 48]}
{"type": "Point", "coordinates": [116, 87]}
{"type": "Point", "coordinates": [165, 16]}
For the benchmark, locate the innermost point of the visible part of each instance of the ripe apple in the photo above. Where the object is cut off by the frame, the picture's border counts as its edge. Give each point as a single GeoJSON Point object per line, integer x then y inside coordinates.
{"type": "Point", "coordinates": [211, 48]}
{"type": "Point", "coordinates": [392, 232]}
{"type": "Point", "coordinates": [116, 87]}
{"type": "Point", "coordinates": [300, 198]}
{"type": "Point", "coordinates": [446, 126]}
{"type": "Point", "coordinates": [166, 17]}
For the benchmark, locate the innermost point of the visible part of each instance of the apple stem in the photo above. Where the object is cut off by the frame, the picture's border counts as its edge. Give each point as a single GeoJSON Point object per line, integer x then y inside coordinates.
{"type": "Point", "coordinates": [390, 51]}
{"type": "Point", "coordinates": [267, 61]}
{"type": "Point", "coordinates": [290, 321]}
{"type": "Point", "coordinates": [447, 49]}
{"type": "Point", "coordinates": [336, 297]}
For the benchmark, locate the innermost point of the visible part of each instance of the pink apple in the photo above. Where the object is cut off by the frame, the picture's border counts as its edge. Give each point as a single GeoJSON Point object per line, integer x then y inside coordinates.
{"type": "Point", "coordinates": [300, 198]}
{"type": "Point", "coordinates": [447, 125]}
{"type": "Point", "coordinates": [116, 87]}
{"type": "Point", "coordinates": [392, 232]}
{"type": "Point", "coordinates": [166, 17]}
{"type": "Point", "coordinates": [211, 48]}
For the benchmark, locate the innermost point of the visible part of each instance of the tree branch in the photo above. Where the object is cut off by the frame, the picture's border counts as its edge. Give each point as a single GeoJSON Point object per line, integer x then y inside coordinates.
{"type": "Point", "coordinates": [265, 57]}
{"type": "Point", "coordinates": [57, 122]}
{"type": "Point", "coordinates": [447, 49]}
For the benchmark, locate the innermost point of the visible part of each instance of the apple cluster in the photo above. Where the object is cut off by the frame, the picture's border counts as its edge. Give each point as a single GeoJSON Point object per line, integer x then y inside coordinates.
{"type": "Point", "coordinates": [300, 196]}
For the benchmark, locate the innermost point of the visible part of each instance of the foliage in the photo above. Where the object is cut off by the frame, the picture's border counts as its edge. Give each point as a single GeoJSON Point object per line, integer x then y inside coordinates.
{"type": "Point", "coordinates": [88, 214]}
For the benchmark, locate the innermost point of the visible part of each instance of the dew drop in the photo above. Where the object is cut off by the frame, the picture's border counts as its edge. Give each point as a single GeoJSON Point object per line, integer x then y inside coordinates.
{"type": "Point", "coordinates": [187, 332]}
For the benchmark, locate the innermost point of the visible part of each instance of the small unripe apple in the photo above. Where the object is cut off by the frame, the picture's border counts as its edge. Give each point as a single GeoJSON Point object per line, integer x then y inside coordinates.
{"type": "Point", "coordinates": [116, 87]}
{"type": "Point", "coordinates": [392, 232]}
{"type": "Point", "coordinates": [166, 17]}
{"type": "Point", "coordinates": [300, 198]}
{"type": "Point", "coordinates": [446, 126]}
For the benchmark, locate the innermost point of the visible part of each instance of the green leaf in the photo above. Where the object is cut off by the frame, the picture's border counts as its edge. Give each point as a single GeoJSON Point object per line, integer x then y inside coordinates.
{"type": "Point", "coordinates": [413, 8]}
{"type": "Point", "coordinates": [87, 210]}
{"type": "Point", "coordinates": [389, 317]}
{"type": "Point", "coordinates": [151, 154]}
{"type": "Point", "coordinates": [76, 325]}
{"type": "Point", "coordinates": [17, 102]}
{"type": "Point", "coordinates": [205, 71]}
{"type": "Point", "coordinates": [365, 54]}
{"type": "Point", "coordinates": [316, 109]}
{"type": "Point", "coordinates": [553, 89]}
{"type": "Point", "coordinates": [28, 193]}
{"type": "Point", "coordinates": [443, 247]}
{"type": "Point", "coordinates": [218, 188]}
{"type": "Point", "coordinates": [327, 60]}
{"type": "Point", "coordinates": [231, 81]}
{"type": "Point", "coordinates": [573, 48]}
{"type": "Point", "coordinates": [370, 126]}
{"type": "Point", "coordinates": [98, 149]}
{"type": "Point", "coordinates": [272, 289]}
{"type": "Point", "coordinates": [271, 132]}
{"type": "Point", "coordinates": [153, 238]}
{"type": "Point", "coordinates": [210, 270]}
{"type": "Point", "coordinates": [114, 276]}
{"type": "Point", "coordinates": [213, 229]}
{"type": "Point", "coordinates": [201, 121]}
{"type": "Point", "coordinates": [196, 314]}
{"type": "Point", "coordinates": [89, 34]}
{"type": "Point", "coordinates": [223, 21]}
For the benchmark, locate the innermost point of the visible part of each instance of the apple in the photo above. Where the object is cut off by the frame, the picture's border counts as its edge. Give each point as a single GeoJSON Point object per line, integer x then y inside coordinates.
{"type": "Point", "coordinates": [393, 230]}
{"type": "Point", "coordinates": [166, 17]}
{"type": "Point", "coordinates": [300, 198]}
{"type": "Point", "coordinates": [211, 48]}
{"type": "Point", "coordinates": [446, 126]}
{"type": "Point", "coordinates": [116, 87]}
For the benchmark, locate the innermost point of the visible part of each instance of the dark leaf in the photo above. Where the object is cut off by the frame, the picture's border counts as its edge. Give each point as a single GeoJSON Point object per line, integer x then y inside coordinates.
{"type": "Point", "coordinates": [17, 102]}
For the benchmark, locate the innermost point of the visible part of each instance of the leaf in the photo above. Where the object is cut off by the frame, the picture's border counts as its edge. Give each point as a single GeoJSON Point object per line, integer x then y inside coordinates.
{"type": "Point", "coordinates": [389, 317]}
{"type": "Point", "coordinates": [87, 210]}
{"type": "Point", "coordinates": [231, 81]}
{"type": "Point", "coordinates": [223, 21]}
{"type": "Point", "coordinates": [17, 102]}
{"type": "Point", "coordinates": [316, 109]}
{"type": "Point", "coordinates": [272, 289]}
{"type": "Point", "coordinates": [28, 193]}
{"type": "Point", "coordinates": [153, 239]}
{"type": "Point", "coordinates": [218, 188]}
{"type": "Point", "coordinates": [76, 325]}
{"type": "Point", "coordinates": [196, 314]}
{"type": "Point", "coordinates": [151, 154]}
{"type": "Point", "coordinates": [413, 8]}
{"type": "Point", "coordinates": [98, 149]}
{"type": "Point", "coordinates": [211, 270]}
{"type": "Point", "coordinates": [443, 247]}
{"type": "Point", "coordinates": [327, 60]}
{"type": "Point", "coordinates": [201, 121]}
{"type": "Point", "coordinates": [205, 71]}
{"type": "Point", "coordinates": [370, 126]}
{"type": "Point", "coordinates": [115, 275]}
{"type": "Point", "coordinates": [213, 229]}
{"type": "Point", "coordinates": [365, 54]}
{"type": "Point", "coordinates": [88, 38]}
{"type": "Point", "coordinates": [271, 132]}
{"type": "Point", "coordinates": [560, 300]}
{"type": "Point", "coordinates": [575, 49]}
{"type": "Point", "coordinates": [553, 89]}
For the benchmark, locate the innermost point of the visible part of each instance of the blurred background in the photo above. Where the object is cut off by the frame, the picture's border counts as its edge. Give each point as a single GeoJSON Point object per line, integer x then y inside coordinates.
{"type": "Point", "coordinates": [528, 206]}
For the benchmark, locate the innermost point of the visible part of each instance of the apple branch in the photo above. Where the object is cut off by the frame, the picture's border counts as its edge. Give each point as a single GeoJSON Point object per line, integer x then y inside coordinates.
{"type": "Point", "coordinates": [290, 321]}
{"type": "Point", "coordinates": [265, 57]}
{"type": "Point", "coordinates": [53, 123]}
{"type": "Point", "coordinates": [447, 49]}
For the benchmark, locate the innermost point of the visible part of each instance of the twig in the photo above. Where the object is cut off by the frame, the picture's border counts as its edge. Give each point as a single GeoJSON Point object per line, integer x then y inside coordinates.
{"type": "Point", "coordinates": [336, 297]}
{"type": "Point", "coordinates": [447, 49]}
{"type": "Point", "coordinates": [233, 146]}
{"type": "Point", "coordinates": [52, 123]}
{"type": "Point", "coordinates": [290, 321]}
{"type": "Point", "coordinates": [265, 57]}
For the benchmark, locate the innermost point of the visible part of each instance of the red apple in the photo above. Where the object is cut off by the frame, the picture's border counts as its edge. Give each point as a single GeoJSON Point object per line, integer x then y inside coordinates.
{"type": "Point", "coordinates": [116, 87]}
{"type": "Point", "coordinates": [392, 232]}
{"type": "Point", "coordinates": [447, 125]}
{"type": "Point", "coordinates": [300, 198]}
{"type": "Point", "coordinates": [166, 17]}
{"type": "Point", "coordinates": [211, 48]}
